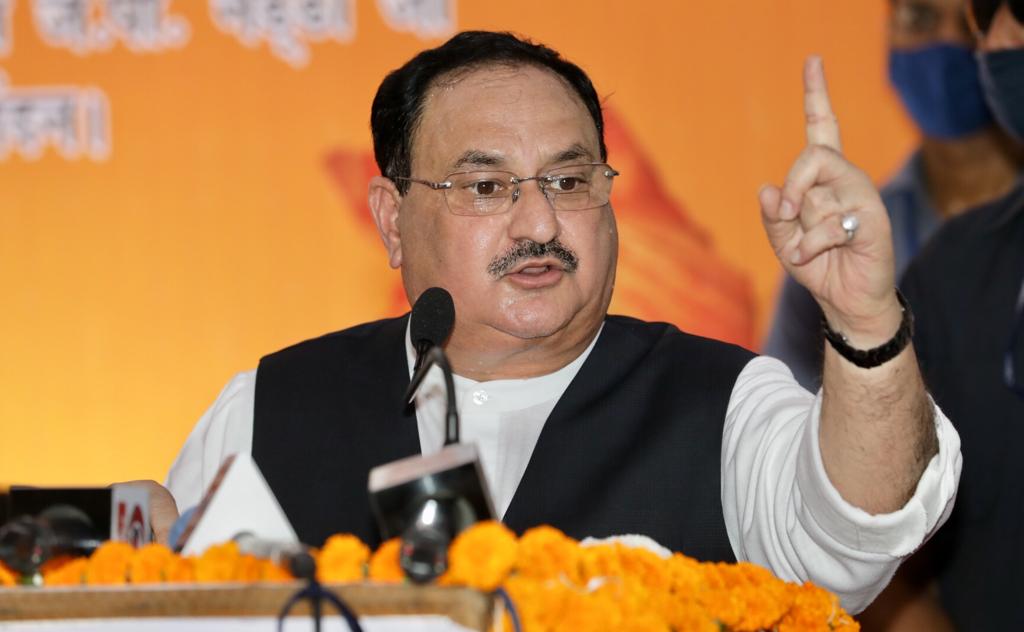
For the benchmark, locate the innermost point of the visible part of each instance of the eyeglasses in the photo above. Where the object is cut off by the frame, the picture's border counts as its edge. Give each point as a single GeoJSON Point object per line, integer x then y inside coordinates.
{"type": "Point", "coordinates": [571, 188]}
{"type": "Point", "coordinates": [980, 13]}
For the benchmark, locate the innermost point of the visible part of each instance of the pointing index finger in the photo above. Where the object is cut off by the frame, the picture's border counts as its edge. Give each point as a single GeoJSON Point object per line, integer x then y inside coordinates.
{"type": "Point", "coordinates": [822, 127]}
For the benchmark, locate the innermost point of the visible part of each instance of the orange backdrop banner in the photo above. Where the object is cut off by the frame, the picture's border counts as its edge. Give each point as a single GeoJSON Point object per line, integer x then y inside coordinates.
{"type": "Point", "coordinates": [183, 184]}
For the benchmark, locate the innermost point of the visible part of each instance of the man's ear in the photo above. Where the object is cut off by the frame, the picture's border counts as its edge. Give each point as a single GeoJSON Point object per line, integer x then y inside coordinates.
{"type": "Point", "coordinates": [384, 202]}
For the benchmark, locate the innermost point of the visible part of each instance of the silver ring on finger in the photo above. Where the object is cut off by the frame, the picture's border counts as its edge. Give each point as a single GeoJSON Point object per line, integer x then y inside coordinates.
{"type": "Point", "coordinates": [850, 224]}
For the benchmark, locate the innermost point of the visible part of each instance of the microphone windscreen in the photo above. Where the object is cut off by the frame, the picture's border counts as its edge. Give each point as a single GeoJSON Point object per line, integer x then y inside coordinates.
{"type": "Point", "coordinates": [433, 317]}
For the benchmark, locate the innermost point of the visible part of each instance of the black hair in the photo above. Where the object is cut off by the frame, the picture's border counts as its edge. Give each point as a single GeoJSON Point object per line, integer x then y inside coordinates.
{"type": "Point", "coordinates": [398, 105]}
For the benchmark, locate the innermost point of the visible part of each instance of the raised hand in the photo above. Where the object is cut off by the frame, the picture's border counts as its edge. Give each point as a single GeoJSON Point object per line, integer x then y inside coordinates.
{"type": "Point", "coordinates": [851, 273]}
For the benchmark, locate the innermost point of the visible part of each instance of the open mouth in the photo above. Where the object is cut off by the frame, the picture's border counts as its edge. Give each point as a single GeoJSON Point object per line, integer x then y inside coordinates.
{"type": "Point", "coordinates": [536, 274]}
{"type": "Point", "coordinates": [537, 267]}
{"type": "Point", "coordinates": [536, 270]}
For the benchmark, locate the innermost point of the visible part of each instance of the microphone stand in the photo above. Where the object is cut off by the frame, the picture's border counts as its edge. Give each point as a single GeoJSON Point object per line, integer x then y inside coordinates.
{"type": "Point", "coordinates": [437, 356]}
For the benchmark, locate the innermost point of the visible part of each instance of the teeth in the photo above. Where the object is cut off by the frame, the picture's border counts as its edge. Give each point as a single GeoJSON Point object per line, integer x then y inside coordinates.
{"type": "Point", "coordinates": [534, 270]}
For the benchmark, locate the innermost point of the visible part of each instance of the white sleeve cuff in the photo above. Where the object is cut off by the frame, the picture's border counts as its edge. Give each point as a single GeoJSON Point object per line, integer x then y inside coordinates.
{"type": "Point", "coordinates": [896, 534]}
{"type": "Point", "coordinates": [782, 511]}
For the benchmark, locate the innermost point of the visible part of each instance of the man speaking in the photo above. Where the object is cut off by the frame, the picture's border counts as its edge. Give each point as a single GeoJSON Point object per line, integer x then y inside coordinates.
{"type": "Point", "coordinates": [495, 186]}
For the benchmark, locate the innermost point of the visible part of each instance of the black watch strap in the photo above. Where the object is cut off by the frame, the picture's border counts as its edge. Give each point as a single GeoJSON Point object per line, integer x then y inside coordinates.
{"type": "Point", "coordinates": [870, 358]}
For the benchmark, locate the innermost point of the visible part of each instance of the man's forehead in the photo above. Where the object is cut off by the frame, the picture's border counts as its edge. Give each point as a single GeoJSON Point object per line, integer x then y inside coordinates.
{"type": "Point", "coordinates": [489, 93]}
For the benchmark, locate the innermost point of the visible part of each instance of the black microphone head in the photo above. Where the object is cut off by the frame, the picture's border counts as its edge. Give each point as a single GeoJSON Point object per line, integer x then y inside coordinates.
{"type": "Point", "coordinates": [433, 317]}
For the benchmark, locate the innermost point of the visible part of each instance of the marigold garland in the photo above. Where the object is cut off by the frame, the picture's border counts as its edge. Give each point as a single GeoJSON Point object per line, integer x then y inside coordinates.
{"type": "Point", "coordinates": [7, 576]}
{"type": "Point", "coordinates": [384, 563]}
{"type": "Point", "coordinates": [343, 559]}
{"type": "Point", "coordinates": [481, 557]}
{"type": "Point", "coordinates": [555, 582]}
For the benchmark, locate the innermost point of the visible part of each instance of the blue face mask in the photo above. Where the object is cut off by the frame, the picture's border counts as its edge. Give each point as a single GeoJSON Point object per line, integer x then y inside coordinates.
{"type": "Point", "coordinates": [1002, 78]}
{"type": "Point", "coordinates": [939, 86]}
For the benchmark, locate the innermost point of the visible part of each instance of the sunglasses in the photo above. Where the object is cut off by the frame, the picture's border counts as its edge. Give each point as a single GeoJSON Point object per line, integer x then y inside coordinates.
{"type": "Point", "coordinates": [980, 13]}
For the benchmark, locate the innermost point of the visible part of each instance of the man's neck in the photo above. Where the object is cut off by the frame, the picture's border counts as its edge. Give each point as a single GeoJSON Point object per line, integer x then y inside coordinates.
{"type": "Point", "coordinates": [488, 354]}
{"type": "Point", "coordinates": [964, 173]}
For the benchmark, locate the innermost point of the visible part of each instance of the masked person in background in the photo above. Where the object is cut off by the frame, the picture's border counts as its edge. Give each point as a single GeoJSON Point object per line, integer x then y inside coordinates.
{"type": "Point", "coordinates": [967, 286]}
{"type": "Point", "coordinates": [964, 159]}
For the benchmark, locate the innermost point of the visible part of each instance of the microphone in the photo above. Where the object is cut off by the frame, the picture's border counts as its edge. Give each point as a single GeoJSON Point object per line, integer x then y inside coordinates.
{"type": "Point", "coordinates": [431, 322]}
{"type": "Point", "coordinates": [428, 500]}
{"type": "Point", "coordinates": [27, 542]}
{"type": "Point", "coordinates": [47, 522]}
{"type": "Point", "coordinates": [287, 553]}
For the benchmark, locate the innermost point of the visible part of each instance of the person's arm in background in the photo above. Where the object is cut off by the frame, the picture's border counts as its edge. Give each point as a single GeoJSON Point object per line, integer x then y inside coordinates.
{"type": "Point", "coordinates": [795, 334]}
{"type": "Point", "coordinates": [910, 603]}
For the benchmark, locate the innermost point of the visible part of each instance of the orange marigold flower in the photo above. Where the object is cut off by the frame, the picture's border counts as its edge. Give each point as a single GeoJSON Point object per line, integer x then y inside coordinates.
{"type": "Point", "coordinates": [482, 556]}
{"type": "Point", "coordinates": [53, 563]}
{"type": "Point", "coordinates": [384, 564]}
{"type": "Point", "coordinates": [218, 563]}
{"type": "Point", "coordinates": [721, 604]}
{"type": "Point", "coordinates": [683, 612]}
{"type": "Point", "coordinates": [343, 559]}
{"type": "Point", "coordinates": [540, 604]}
{"type": "Point", "coordinates": [815, 608]}
{"type": "Point", "coordinates": [547, 553]}
{"type": "Point", "coordinates": [7, 576]}
{"type": "Point", "coordinates": [271, 572]}
{"type": "Point", "coordinates": [180, 570]}
{"type": "Point", "coordinates": [149, 563]}
{"type": "Point", "coordinates": [69, 574]}
{"type": "Point", "coordinates": [748, 596]}
{"type": "Point", "coordinates": [248, 569]}
{"type": "Point", "coordinates": [108, 565]}
{"type": "Point", "coordinates": [645, 566]}
{"type": "Point", "coordinates": [600, 561]}
{"type": "Point", "coordinates": [592, 612]}
{"type": "Point", "coordinates": [686, 575]}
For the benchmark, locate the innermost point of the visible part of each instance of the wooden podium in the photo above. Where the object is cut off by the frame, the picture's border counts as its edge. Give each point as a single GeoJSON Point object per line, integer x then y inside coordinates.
{"type": "Point", "coordinates": [468, 608]}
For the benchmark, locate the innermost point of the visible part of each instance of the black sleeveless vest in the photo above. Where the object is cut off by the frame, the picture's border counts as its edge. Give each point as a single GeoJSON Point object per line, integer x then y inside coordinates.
{"type": "Point", "coordinates": [633, 445]}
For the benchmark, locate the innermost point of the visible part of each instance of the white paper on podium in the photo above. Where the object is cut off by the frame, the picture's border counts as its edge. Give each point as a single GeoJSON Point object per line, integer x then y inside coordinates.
{"type": "Point", "coordinates": [239, 500]}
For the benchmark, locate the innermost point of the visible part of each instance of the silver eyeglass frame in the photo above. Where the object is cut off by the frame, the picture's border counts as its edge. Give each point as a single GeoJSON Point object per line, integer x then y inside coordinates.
{"type": "Point", "coordinates": [542, 180]}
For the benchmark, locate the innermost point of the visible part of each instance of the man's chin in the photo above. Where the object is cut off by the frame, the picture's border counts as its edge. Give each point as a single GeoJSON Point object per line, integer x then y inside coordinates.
{"type": "Point", "coordinates": [534, 325]}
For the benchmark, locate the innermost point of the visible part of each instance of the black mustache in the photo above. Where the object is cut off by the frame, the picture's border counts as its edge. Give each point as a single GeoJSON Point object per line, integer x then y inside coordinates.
{"type": "Point", "coordinates": [532, 250]}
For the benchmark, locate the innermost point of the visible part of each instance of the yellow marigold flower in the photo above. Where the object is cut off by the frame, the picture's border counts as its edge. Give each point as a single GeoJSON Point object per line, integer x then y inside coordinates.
{"type": "Point", "coordinates": [149, 563]}
{"type": "Point", "coordinates": [546, 553]}
{"type": "Point", "coordinates": [180, 570]}
{"type": "Point", "coordinates": [384, 564]}
{"type": "Point", "coordinates": [68, 574]}
{"type": "Point", "coordinates": [343, 559]}
{"type": "Point", "coordinates": [7, 576]}
{"type": "Point", "coordinates": [108, 565]}
{"type": "Point", "coordinates": [219, 563]}
{"type": "Point", "coordinates": [482, 556]}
